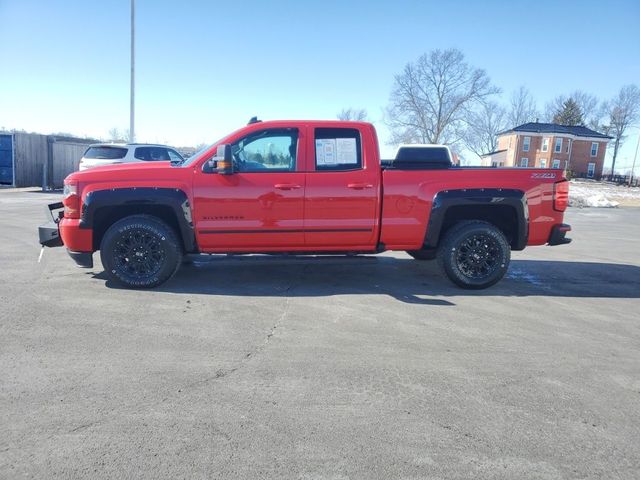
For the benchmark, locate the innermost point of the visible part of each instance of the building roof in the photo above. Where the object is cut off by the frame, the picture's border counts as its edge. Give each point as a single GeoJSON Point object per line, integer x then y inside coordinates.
{"type": "Point", "coordinates": [493, 153]}
{"type": "Point", "coordinates": [577, 130]}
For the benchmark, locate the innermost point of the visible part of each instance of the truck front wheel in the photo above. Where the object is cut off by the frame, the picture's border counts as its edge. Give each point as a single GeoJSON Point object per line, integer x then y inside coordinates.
{"type": "Point", "coordinates": [140, 251]}
{"type": "Point", "coordinates": [474, 254]}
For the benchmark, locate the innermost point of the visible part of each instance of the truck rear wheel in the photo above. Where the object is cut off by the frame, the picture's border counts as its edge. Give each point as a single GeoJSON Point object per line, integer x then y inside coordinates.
{"type": "Point", "coordinates": [474, 254]}
{"type": "Point", "coordinates": [140, 251]}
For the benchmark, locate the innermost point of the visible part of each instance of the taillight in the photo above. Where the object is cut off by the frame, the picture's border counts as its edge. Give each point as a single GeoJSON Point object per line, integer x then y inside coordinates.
{"type": "Point", "coordinates": [71, 200]}
{"type": "Point", "coordinates": [561, 195]}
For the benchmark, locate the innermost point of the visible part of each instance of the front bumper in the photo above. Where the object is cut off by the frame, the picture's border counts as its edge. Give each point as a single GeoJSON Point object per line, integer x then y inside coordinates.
{"type": "Point", "coordinates": [558, 234]}
{"type": "Point", "coordinates": [66, 231]}
{"type": "Point", "coordinates": [82, 259]}
{"type": "Point", "coordinates": [49, 233]}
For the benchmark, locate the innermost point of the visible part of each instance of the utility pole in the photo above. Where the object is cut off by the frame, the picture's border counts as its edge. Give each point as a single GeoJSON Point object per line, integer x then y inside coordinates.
{"type": "Point", "coordinates": [633, 167]}
{"type": "Point", "coordinates": [132, 105]}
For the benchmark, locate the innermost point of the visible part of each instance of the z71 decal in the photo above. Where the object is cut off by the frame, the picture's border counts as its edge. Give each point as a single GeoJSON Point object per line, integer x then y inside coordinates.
{"type": "Point", "coordinates": [543, 175]}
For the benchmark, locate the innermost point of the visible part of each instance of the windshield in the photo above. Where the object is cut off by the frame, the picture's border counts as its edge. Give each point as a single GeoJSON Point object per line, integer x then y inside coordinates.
{"type": "Point", "coordinates": [196, 156]}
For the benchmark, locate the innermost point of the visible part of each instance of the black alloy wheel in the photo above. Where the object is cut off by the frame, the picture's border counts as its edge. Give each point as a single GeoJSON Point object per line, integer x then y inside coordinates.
{"type": "Point", "coordinates": [140, 251]}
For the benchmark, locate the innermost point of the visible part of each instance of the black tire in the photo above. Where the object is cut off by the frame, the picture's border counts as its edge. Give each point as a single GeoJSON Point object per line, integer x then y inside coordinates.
{"type": "Point", "coordinates": [422, 254]}
{"type": "Point", "coordinates": [474, 254]}
{"type": "Point", "coordinates": [140, 251]}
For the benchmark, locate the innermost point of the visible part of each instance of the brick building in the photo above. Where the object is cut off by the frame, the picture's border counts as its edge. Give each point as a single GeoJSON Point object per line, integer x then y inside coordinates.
{"type": "Point", "coordinates": [548, 145]}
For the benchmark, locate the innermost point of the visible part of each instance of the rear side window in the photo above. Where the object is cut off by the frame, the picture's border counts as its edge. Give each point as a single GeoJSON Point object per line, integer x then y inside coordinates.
{"type": "Point", "coordinates": [152, 154]}
{"type": "Point", "coordinates": [105, 153]}
{"type": "Point", "coordinates": [338, 149]}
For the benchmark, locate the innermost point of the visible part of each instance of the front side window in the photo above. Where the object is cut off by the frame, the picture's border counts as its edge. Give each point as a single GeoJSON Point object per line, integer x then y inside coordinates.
{"type": "Point", "coordinates": [558, 146]}
{"type": "Point", "coordinates": [591, 170]}
{"type": "Point", "coordinates": [545, 144]}
{"type": "Point", "coordinates": [152, 154]}
{"type": "Point", "coordinates": [526, 144]}
{"type": "Point", "coordinates": [174, 156]}
{"type": "Point", "coordinates": [594, 149]}
{"type": "Point", "coordinates": [266, 151]}
{"type": "Point", "coordinates": [338, 149]}
{"type": "Point", "coordinates": [524, 162]}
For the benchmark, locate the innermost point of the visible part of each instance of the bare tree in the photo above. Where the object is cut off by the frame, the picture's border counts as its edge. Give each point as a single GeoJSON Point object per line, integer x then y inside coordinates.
{"type": "Point", "coordinates": [591, 113]}
{"type": "Point", "coordinates": [522, 108]}
{"type": "Point", "coordinates": [432, 97]}
{"type": "Point", "coordinates": [117, 135]}
{"type": "Point", "coordinates": [622, 111]}
{"type": "Point", "coordinates": [481, 134]}
{"type": "Point", "coordinates": [356, 114]}
{"type": "Point", "coordinates": [552, 107]}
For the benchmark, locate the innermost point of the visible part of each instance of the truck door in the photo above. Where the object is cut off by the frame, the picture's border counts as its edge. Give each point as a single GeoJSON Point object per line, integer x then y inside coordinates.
{"type": "Point", "coordinates": [260, 206]}
{"type": "Point", "coordinates": [341, 198]}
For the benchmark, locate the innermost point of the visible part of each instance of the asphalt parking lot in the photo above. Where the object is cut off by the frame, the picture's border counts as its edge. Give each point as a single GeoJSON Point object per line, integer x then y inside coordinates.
{"type": "Point", "coordinates": [322, 367]}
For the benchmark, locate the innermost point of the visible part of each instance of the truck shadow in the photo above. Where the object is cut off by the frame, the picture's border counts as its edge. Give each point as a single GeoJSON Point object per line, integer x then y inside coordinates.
{"type": "Point", "coordinates": [406, 280]}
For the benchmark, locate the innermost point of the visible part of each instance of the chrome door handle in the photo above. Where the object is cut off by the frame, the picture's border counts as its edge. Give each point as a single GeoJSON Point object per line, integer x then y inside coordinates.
{"type": "Point", "coordinates": [359, 186]}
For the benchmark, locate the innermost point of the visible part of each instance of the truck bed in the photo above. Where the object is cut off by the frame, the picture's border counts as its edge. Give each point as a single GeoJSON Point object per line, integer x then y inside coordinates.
{"type": "Point", "coordinates": [409, 199]}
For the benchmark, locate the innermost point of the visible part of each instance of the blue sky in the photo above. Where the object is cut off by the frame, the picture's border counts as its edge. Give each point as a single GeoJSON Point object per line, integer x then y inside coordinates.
{"type": "Point", "coordinates": [205, 67]}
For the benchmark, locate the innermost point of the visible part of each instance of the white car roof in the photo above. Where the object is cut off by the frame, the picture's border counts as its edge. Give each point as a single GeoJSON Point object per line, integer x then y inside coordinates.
{"type": "Point", "coordinates": [125, 145]}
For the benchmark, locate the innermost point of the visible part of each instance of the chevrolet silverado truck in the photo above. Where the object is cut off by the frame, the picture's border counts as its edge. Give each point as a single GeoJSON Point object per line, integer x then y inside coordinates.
{"type": "Point", "coordinates": [305, 187]}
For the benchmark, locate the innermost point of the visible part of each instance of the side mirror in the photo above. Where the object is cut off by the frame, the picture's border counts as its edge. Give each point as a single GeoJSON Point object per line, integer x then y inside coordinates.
{"type": "Point", "coordinates": [223, 159]}
{"type": "Point", "coordinates": [221, 163]}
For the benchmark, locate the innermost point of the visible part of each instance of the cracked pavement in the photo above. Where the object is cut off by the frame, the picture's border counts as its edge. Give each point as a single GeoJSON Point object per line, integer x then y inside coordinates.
{"type": "Point", "coordinates": [322, 367]}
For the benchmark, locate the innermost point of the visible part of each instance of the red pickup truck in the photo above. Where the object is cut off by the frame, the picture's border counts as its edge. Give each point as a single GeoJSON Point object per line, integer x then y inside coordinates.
{"type": "Point", "coordinates": [305, 187]}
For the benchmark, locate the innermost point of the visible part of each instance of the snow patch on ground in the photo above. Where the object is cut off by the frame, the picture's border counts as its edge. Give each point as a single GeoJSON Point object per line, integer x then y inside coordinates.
{"type": "Point", "coordinates": [519, 274]}
{"type": "Point", "coordinates": [602, 195]}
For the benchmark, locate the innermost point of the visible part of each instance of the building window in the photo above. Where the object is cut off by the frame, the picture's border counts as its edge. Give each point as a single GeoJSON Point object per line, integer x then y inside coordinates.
{"type": "Point", "coordinates": [591, 170]}
{"type": "Point", "coordinates": [556, 163]}
{"type": "Point", "coordinates": [543, 163]}
{"type": "Point", "coordinates": [594, 149]}
{"type": "Point", "coordinates": [558, 146]}
{"type": "Point", "coordinates": [524, 162]}
{"type": "Point", "coordinates": [568, 147]}
{"type": "Point", "coordinates": [545, 144]}
{"type": "Point", "coordinates": [526, 144]}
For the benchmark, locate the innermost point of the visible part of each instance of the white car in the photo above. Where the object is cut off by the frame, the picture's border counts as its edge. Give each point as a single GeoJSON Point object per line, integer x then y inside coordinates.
{"type": "Point", "coordinates": [112, 153]}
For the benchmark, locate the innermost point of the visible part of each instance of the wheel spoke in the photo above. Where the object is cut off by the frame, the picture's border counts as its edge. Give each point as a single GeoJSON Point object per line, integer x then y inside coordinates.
{"type": "Point", "coordinates": [138, 253]}
{"type": "Point", "coordinates": [477, 256]}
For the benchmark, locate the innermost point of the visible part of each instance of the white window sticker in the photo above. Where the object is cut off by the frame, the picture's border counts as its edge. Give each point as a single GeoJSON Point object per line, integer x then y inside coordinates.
{"type": "Point", "coordinates": [326, 151]}
{"type": "Point", "coordinates": [346, 151]}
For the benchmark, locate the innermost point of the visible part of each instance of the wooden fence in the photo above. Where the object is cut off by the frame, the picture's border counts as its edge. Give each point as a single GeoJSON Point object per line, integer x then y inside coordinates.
{"type": "Point", "coordinates": [30, 154]}
{"type": "Point", "coordinates": [65, 159]}
{"type": "Point", "coordinates": [45, 160]}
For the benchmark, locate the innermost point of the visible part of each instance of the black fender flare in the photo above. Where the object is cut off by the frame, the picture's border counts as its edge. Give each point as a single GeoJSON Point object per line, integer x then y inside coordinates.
{"type": "Point", "coordinates": [174, 198]}
{"type": "Point", "coordinates": [473, 197]}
